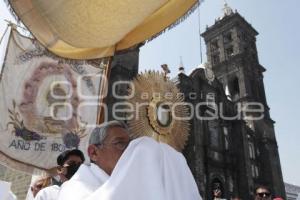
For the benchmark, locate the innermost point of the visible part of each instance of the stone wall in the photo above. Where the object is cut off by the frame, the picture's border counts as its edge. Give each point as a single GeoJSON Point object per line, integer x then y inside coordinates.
{"type": "Point", "coordinates": [20, 181]}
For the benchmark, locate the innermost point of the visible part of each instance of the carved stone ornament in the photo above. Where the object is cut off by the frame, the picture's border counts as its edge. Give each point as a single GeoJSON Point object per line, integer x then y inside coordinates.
{"type": "Point", "coordinates": [209, 74]}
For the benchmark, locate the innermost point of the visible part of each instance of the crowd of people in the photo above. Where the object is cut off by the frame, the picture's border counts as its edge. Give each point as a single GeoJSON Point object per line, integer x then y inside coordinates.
{"type": "Point", "coordinates": [261, 192]}
{"type": "Point", "coordinates": [120, 168]}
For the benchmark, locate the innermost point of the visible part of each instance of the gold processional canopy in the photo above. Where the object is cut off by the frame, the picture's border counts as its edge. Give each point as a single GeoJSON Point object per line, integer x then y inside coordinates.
{"type": "Point", "coordinates": [97, 28]}
{"type": "Point", "coordinates": [81, 30]}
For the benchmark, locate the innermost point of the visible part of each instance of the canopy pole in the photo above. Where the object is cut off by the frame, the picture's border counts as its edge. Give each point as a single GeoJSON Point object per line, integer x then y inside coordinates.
{"type": "Point", "coordinates": [4, 33]}
{"type": "Point", "coordinates": [103, 89]}
{"type": "Point", "coordinates": [199, 26]}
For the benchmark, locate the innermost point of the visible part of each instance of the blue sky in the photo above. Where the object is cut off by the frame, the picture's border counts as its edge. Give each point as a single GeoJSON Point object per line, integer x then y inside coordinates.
{"type": "Point", "coordinates": [278, 46]}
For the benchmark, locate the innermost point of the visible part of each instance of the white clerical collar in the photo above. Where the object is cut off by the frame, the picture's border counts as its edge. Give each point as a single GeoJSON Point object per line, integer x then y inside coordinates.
{"type": "Point", "coordinates": [100, 174]}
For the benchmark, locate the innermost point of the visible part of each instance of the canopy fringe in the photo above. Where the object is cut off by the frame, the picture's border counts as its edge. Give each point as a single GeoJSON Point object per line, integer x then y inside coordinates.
{"type": "Point", "coordinates": [11, 10]}
{"type": "Point", "coordinates": [178, 21]}
{"type": "Point", "coordinates": [19, 24]}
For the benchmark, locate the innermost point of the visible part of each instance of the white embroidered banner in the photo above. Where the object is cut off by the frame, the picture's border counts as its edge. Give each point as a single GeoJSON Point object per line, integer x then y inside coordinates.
{"type": "Point", "coordinates": [47, 104]}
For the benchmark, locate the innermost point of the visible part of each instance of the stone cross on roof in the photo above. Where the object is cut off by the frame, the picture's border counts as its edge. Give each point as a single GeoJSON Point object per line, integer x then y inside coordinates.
{"type": "Point", "coordinates": [227, 10]}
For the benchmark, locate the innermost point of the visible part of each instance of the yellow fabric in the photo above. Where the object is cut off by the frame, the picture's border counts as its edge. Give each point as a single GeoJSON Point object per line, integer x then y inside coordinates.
{"type": "Point", "coordinates": [86, 29]}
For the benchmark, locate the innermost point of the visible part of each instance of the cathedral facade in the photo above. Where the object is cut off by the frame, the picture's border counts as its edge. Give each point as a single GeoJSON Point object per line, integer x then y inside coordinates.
{"type": "Point", "coordinates": [232, 145]}
{"type": "Point", "coordinates": [236, 149]}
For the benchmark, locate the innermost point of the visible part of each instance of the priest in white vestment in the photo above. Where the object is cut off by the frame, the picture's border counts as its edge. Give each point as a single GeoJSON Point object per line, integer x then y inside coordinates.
{"type": "Point", "coordinates": [145, 170]}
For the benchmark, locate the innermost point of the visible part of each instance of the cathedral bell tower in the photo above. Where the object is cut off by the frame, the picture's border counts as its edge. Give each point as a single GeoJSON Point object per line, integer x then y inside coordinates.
{"type": "Point", "coordinates": [231, 50]}
{"type": "Point", "coordinates": [232, 53]}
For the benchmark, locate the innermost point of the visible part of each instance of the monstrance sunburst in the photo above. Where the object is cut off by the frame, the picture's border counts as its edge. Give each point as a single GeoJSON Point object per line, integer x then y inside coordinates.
{"type": "Point", "coordinates": [159, 110]}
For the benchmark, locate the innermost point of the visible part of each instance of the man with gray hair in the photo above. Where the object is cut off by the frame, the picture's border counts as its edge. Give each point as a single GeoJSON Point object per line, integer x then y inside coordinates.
{"type": "Point", "coordinates": [142, 170]}
{"type": "Point", "coordinates": [106, 145]}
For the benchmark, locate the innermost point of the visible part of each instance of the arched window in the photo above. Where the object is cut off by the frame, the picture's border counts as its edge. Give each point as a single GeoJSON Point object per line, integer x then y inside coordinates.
{"type": "Point", "coordinates": [213, 128]}
{"type": "Point", "coordinates": [211, 100]}
{"type": "Point", "coordinates": [253, 171]}
{"type": "Point", "coordinates": [226, 139]}
{"type": "Point", "coordinates": [217, 185]}
{"type": "Point", "coordinates": [256, 171]}
{"type": "Point", "coordinates": [234, 88]}
{"type": "Point", "coordinates": [251, 150]}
